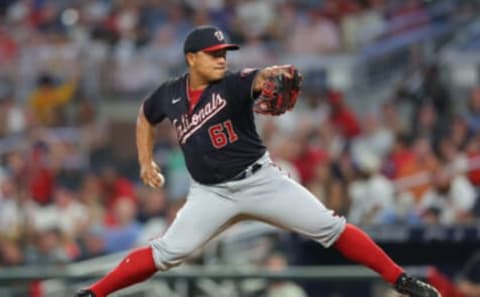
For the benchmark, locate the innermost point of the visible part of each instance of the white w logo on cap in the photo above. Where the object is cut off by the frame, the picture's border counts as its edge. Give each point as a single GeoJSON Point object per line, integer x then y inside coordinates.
{"type": "Point", "coordinates": [219, 35]}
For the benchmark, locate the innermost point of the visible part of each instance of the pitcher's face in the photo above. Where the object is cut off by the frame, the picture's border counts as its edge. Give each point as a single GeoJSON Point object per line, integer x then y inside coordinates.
{"type": "Point", "coordinates": [211, 65]}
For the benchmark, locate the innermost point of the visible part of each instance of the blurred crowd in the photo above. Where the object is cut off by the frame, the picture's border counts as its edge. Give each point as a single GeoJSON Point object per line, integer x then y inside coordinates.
{"type": "Point", "coordinates": [120, 47]}
{"type": "Point", "coordinates": [70, 191]}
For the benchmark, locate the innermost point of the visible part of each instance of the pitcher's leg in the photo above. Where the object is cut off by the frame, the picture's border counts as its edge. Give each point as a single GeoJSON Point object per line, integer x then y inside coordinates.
{"type": "Point", "coordinates": [357, 246]}
{"type": "Point", "coordinates": [136, 267]}
{"type": "Point", "coordinates": [199, 219]}
{"type": "Point", "coordinates": [285, 203]}
{"type": "Point", "coordinates": [291, 206]}
{"type": "Point", "coordinates": [202, 217]}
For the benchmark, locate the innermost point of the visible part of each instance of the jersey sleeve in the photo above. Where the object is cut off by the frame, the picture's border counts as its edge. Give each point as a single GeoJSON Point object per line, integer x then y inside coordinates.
{"type": "Point", "coordinates": [240, 85]}
{"type": "Point", "coordinates": [153, 107]}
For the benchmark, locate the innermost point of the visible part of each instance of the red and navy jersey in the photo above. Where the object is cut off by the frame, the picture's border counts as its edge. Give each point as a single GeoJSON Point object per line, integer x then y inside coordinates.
{"type": "Point", "coordinates": [218, 136]}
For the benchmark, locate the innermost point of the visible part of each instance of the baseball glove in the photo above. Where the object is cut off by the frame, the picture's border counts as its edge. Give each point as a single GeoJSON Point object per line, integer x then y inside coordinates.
{"type": "Point", "coordinates": [279, 93]}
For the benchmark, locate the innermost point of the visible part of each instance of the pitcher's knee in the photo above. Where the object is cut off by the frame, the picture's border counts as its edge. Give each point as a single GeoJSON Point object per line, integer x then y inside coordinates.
{"type": "Point", "coordinates": [165, 257]}
{"type": "Point", "coordinates": [327, 234]}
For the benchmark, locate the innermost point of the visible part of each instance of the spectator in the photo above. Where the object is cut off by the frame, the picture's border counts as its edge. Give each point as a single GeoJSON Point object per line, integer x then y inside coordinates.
{"type": "Point", "coordinates": [314, 34]}
{"type": "Point", "coordinates": [92, 243]}
{"type": "Point", "coordinates": [331, 140]}
{"type": "Point", "coordinates": [10, 253]}
{"type": "Point", "coordinates": [336, 10]}
{"type": "Point", "coordinates": [315, 93]}
{"type": "Point", "coordinates": [434, 89]}
{"type": "Point", "coordinates": [283, 153]}
{"type": "Point", "coordinates": [284, 23]}
{"type": "Point", "coordinates": [16, 209]}
{"type": "Point", "coordinates": [460, 134]}
{"type": "Point", "coordinates": [152, 215]}
{"type": "Point", "coordinates": [13, 118]}
{"type": "Point", "coordinates": [399, 156]}
{"type": "Point", "coordinates": [8, 51]}
{"type": "Point", "coordinates": [255, 18]}
{"type": "Point", "coordinates": [341, 117]}
{"type": "Point", "coordinates": [114, 186]}
{"type": "Point", "coordinates": [372, 194]}
{"type": "Point", "coordinates": [123, 235]}
{"type": "Point", "coordinates": [90, 195]}
{"type": "Point", "coordinates": [473, 110]}
{"type": "Point", "coordinates": [176, 22]}
{"type": "Point", "coordinates": [47, 249]}
{"type": "Point", "coordinates": [277, 262]}
{"type": "Point", "coordinates": [391, 117]}
{"type": "Point", "coordinates": [307, 156]}
{"type": "Point", "coordinates": [95, 61]}
{"type": "Point", "coordinates": [452, 157]}
{"type": "Point", "coordinates": [39, 175]}
{"type": "Point", "coordinates": [163, 53]}
{"type": "Point", "coordinates": [49, 99]}
{"type": "Point", "coordinates": [374, 138]}
{"type": "Point", "coordinates": [414, 173]}
{"type": "Point", "coordinates": [254, 52]}
{"type": "Point", "coordinates": [473, 160]}
{"type": "Point", "coordinates": [453, 195]}
{"type": "Point", "coordinates": [431, 216]}
{"type": "Point", "coordinates": [329, 189]}
{"type": "Point", "coordinates": [429, 103]}
{"type": "Point", "coordinates": [153, 204]}
{"type": "Point", "coordinates": [362, 26]}
{"type": "Point", "coordinates": [427, 124]}
{"type": "Point", "coordinates": [72, 216]}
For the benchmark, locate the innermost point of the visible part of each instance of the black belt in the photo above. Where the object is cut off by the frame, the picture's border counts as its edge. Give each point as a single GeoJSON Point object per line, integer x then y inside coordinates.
{"type": "Point", "coordinates": [250, 170]}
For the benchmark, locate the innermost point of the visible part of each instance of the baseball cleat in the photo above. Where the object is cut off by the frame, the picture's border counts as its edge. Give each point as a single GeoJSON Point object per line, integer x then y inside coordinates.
{"type": "Point", "coordinates": [414, 287]}
{"type": "Point", "coordinates": [84, 293]}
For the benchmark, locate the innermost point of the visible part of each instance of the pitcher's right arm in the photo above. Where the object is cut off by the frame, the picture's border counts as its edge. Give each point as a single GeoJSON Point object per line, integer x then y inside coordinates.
{"type": "Point", "coordinates": [145, 136]}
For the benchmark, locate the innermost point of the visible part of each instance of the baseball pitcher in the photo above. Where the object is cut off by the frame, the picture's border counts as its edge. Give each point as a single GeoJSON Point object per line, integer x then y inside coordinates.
{"type": "Point", "coordinates": [233, 177]}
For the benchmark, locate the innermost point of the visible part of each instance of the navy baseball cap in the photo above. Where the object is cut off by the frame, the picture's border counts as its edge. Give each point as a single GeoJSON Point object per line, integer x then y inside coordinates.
{"type": "Point", "coordinates": [206, 39]}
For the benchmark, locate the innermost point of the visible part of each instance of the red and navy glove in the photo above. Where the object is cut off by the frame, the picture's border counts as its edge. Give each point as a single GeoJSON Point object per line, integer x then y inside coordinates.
{"type": "Point", "coordinates": [279, 93]}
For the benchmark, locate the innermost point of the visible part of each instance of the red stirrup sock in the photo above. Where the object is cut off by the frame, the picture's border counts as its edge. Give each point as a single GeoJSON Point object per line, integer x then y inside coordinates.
{"type": "Point", "coordinates": [134, 268]}
{"type": "Point", "coordinates": [356, 245]}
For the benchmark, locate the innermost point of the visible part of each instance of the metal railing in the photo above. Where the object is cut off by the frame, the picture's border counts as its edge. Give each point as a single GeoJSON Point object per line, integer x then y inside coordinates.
{"type": "Point", "coordinates": [182, 281]}
{"type": "Point", "coordinates": [349, 272]}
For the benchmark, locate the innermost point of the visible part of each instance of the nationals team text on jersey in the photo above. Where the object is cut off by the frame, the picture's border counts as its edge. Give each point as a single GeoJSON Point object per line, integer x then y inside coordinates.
{"type": "Point", "coordinates": [190, 123]}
